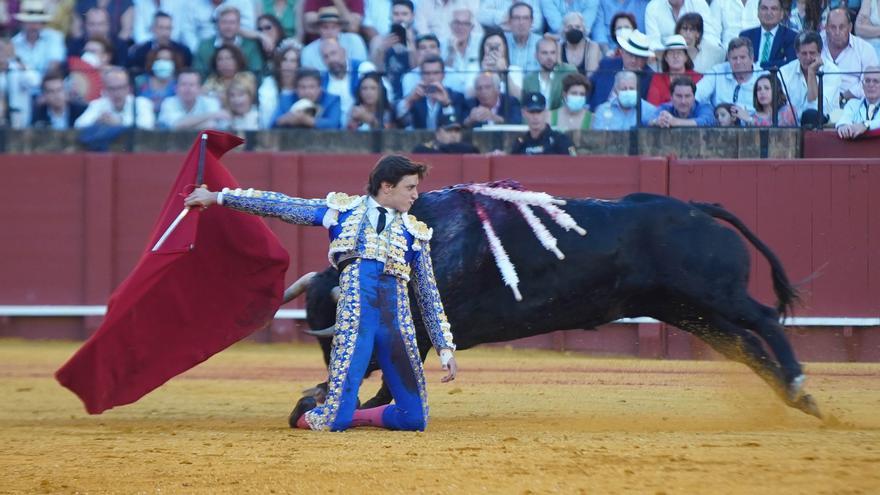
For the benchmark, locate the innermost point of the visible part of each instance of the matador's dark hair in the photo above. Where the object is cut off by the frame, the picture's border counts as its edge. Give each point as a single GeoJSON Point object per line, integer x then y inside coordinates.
{"type": "Point", "coordinates": [392, 169]}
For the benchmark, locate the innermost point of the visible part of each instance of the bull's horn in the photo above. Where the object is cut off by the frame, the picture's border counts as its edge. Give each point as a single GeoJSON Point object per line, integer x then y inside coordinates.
{"type": "Point", "coordinates": [325, 332]}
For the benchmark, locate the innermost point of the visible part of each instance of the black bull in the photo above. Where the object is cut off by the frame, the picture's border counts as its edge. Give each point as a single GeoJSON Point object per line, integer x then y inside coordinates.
{"type": "Point", "coordinates": [643, 256]}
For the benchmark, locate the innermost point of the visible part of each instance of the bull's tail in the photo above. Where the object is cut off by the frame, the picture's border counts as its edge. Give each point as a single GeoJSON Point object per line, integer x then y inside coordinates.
{"type": "Point", "coordinates": [786, 293]}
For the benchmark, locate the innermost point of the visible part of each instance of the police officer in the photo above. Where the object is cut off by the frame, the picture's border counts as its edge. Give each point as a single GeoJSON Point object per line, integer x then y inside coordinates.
{"type": "Point", "coordinates": [447, 138]}
{"type": "Point", "coordinates": [540, 139]}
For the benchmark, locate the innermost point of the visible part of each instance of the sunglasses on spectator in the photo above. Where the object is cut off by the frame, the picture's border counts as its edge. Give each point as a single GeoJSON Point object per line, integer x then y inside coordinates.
{"type": "Point", "coordinates": [265, 27]}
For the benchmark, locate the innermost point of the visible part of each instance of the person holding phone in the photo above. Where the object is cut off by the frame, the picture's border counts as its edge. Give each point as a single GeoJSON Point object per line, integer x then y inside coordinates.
{"type": "Point", "coordinates": [421, 109]}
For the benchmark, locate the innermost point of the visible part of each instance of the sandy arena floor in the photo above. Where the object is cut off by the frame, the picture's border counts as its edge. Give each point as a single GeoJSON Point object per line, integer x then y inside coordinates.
{"type": "Point", "coordinates": [515, 422]}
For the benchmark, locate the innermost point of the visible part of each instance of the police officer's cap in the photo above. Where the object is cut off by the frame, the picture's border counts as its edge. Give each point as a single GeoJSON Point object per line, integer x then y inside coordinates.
{"type": "Point", "coordinates": [449, 121]}
{"type": "Point", "coordinates": [535, 102]}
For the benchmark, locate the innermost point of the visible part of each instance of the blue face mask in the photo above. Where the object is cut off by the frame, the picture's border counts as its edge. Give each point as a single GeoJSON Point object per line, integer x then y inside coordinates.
{"type": "Point", "coordinates": [627, 98]}
{"type": "Point", "coordinates": [575, 103]}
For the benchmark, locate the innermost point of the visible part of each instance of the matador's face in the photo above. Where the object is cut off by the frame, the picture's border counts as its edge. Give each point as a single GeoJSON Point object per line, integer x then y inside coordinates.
{"type": "Point", "coordinates": [401, 196]}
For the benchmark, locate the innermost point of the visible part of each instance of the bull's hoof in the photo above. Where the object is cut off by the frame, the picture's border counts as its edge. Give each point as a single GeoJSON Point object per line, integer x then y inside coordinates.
{"type": "Point", "coordinates": [796, 389]}
{"type": "Point", "coordinates": [807, 404]}
{"type": "Point", "coordinates": [304, 405]}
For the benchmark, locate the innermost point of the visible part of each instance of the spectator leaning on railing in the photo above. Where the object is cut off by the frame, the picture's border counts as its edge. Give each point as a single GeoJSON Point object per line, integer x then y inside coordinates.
{"type": "Point", "coordinates": [862, 114]}
{"type": "Point", "coordinates": [118, 107]}
{"type": "Point", "coordinates": [619, 112]}
{"type": "Point", "coordinates": [189, 108]}
{"type": "Point", "coordinates": [684, 110]}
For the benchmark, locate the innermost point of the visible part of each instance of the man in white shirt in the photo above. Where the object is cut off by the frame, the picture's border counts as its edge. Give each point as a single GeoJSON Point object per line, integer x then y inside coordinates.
{"type": "Point", "coordinates": [36, 46]}
{"type": "Point", "coordinates": [341, 76]}
{"type": "Point", "coordinates": [735, 16]}
{"type": "Point", "coordinates": [732, 81]}
{"type": "Point", "coordinates": [521, 41]}
{"type": "Point", "coordinates": [850, 53]}
{"type": "Point", "coordinates": [199, 17]}
{"type": "Point", "coordinates": [862, 114]}
{"type": "Point", "coordinates": [801, 81]}
{"type": "Point", "coordinates": [117, 106]}
{"type": "Point", "coordinates": [189, 108]}
{"type": "Point", "coordinates": [461, 52]}
{"type": "Point", "coordinates": [661, 16]}
{"type": "Point", "coordinates": [435, 16]}
{"type": "Point", "coordinates": [329, 27]}
{"type": "Point", "coordinates": [497, 13]}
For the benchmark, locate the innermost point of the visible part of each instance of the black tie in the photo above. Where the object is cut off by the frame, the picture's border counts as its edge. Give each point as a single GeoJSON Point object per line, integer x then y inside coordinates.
{"type": "Point", "coordinates": [380, 225]}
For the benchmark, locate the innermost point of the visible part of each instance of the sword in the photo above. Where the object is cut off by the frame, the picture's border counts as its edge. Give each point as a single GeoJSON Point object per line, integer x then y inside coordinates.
{"type": "Point", "coordinates": [200, 172]}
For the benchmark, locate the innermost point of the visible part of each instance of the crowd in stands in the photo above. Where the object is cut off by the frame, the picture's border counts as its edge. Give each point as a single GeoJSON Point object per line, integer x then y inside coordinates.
{"type": "Point", "coordinates": [439, 64]}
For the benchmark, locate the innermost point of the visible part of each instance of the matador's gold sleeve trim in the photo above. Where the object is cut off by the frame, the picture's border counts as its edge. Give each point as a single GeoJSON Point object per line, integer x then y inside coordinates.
{"type": "Point", "coordinates": [343, 202]}
{"type": "Point", "coordinates": [418, 229]}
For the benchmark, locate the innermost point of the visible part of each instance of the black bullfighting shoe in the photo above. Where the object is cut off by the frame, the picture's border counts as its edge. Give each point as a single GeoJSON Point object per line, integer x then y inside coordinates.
{"type": "Point", "coordinates": [303, 406]}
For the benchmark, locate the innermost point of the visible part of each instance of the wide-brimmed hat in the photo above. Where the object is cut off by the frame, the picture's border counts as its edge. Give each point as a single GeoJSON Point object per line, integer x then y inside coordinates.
{"type": "Point", "coordinates": [33, 11]}
{"type": "Point", "coordinates": [303, 105]}
{"type": "Point", "coordinates": [636, 44]}
{"type": "Point", "coordinates": [674, 42]}
{"type": "Point", "coordinates": [328, 14]}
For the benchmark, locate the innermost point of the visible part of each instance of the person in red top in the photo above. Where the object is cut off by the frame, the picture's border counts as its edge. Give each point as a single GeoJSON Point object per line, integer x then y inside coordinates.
{"type": "Point", "coordinates": [675, 61]}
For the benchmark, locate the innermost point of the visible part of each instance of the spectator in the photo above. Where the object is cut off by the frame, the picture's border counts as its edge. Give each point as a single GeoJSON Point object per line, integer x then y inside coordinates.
{"type": "Point", "coordinates": [576, 48]}
{"type": "Point", "coordinates": [426, 46]}
{"type": "Point", "coordinates": [608, 20]}
{"type": "Point", "coordinates": [55, 111]}
{"type": "Point", "coordinates": [496, 13]}
{"type": "Point", "coordinates": [661, 17]}
{"type": "Point", "coordinates": [849, 53]}
{"type": "Point", "coordinates": [724, 117]}
{"type": "Point", "coordinates": [240, 96]}
{"type": "Point", "coordinates": [734, 17]}
{"type": "Point", "coordinates": [341, 78]}
{"type": "Point", "coordinates": [494, 58]}
{"type": "Point", "coordinates": [573, 114]}
{"type": "Point", "coordinates": [768, 99]}
{"type": "Point", "coordinates": [85, 70]}
{"type": "Point", "coordinates": [145, 12]}
{"type": "Point", "coordinates": [284, 18]}
{"type": "Point", "coordinates": [117, 107]}
{"type": "Point", "coordinates": [555, 10]}
{"type": "Point", "coordinates": [801, 81]}
{"type": "Point", "coordinates": [430, 98]}
{"type": "Point", "coordinates": [271, 34]}
{"type": "Point", "coordinates": [548, 81]}
{"type": "Point", "coordinates": [379, 17]}
{"type": "Point", "coordinates": [675, 62]}
{"type": "Point", "coordinates": [161, 29]}
{"type": "Point", "coordinates": [310, 107]}
{"type": "Point", "coordinates": [190, 108]}
{"type": "Point", "coordinates": [731, 81]}
{"type": "Point", "coordinates": [120, 13]}
{"type": "Point", "coordinates": [684, 110]}
{"type": "Point", "coordinates": [394, 51]}
{"type": "Point", "coordinates": [521, 41]}
{"type": "Point", "coordinates": [868, 24]}
{"type": "Point", "coordinates": [350, 13]}
{"type": "Point", "coordinates": [447, 138]}
{"type": "Point", "coordinates": [808, 15]}
{"type": "Point", "coordinates": [97, 25]}
{"type": "Point", "coordinates": [163, 65]}
{"type": "Point", "coordinates": [36, 46]}
{"type": "Point", "coordinates": [622, 24]}
{"type": "Point", "coordinates": [490, 106]}
{"type": "Point", "coordinates": [226, 62]}
{"type": "Point", "coordinates": [329, 28]}
{"type": "Point", "coordinates": [17, 87]}
{"type": "Point", "coordinates": [540, 139]}
{"type": "Point", "coordinates": [435, 16]}
{"type": "Point", "coordinates": [704, 55]}
{"type": "Point", "coordinates": [228, 33]}
{"type": "Point", "coordinates": [620, 111]}
{"type": "Point", "coordinates": [372, 110]}
{"type": "Point", "coordinates": [281, 83]}
{"type": "Point", "coordinates": [199, 18]}
{"type": "Point", "coordinates": [634, 55]}
{"type": "Point", "coordinates": [862, 114]}
{"type": "Point", "coordinates": [773, 42]}
{"type": "Point", "coordinates": [462, 50]}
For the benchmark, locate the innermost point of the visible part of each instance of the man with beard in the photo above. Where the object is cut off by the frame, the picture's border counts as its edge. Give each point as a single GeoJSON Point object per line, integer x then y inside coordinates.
{"type": "Point", "coordinates": [548, 80]}
{"type": "Point", "coordinates": [341, 78]}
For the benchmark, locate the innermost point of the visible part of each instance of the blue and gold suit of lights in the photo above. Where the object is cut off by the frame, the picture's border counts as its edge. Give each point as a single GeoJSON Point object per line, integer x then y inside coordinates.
{"type": "Point", "coordinates": [373, 312]}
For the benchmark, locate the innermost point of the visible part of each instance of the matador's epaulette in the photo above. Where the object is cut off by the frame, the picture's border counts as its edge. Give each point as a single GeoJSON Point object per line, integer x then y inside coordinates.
{"type": "Point", "coordinates": [343, 202]}
{"type": "Point", "coordinates": [418, 229]}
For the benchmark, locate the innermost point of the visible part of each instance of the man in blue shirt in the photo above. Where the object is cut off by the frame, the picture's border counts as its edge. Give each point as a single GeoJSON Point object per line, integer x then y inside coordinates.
{"type": "Point", "coordinates": [324, 113]}
{"type": "Point", "coordinates": [684, 110]}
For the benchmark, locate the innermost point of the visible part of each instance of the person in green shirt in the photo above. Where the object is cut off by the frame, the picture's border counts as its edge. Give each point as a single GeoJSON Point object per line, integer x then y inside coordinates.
{"type": "Point", "coordinates": [573, 114]}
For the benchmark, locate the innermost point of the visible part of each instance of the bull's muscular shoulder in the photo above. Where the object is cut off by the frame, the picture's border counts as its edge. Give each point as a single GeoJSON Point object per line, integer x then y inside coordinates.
{"type": "Point", "coordinates": [417, 228]}
{"type": "Point", "coordinates": [343, 202]}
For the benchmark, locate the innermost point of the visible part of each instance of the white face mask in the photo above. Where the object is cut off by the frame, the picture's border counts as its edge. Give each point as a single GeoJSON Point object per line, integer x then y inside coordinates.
{"type": "Point", "coordinates": [91, 59]}
{"type": "Point", "coordinates": [627, 98]}
{"type": "Point", "coordinates": [575, 103]}
{"type": "Point", "coordinates": [163, 68]}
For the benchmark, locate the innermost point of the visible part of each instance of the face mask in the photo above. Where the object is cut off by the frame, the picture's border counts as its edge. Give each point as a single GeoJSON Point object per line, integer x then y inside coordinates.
{"type": "Point", "coordinates": [163, 69]}
{"type": "Point", "coordinates": [622, 33]}
{"type": "Point", "coordinates": [91, 59]}
{"type": "Point", "coordinates": [627, 98]}
{"type": "Point", "coordinates": [575, 103]}
{"type": "Point", "coordinates": [574, 36]}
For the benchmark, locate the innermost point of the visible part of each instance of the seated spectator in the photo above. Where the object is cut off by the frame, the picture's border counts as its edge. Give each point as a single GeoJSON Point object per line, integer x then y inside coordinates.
{"type": "Point", "coordinates": [240, 97]}
{"type": "Point", "coordinates": [447, 138]}
{"type": "Point", "coordinates": [573, 114]}
{"type": "Point", "coordinates": [422, 108]}
{"type": "Point", "coordinates": [226, 62]}
{"type": "Point", "coordinates": [675, 62]}
{"type": "Point", "coordinates": [426, 46]}
{"type": "Point", "coordinates": [684, 110]}
{"type": "Point", "coordinates": [310, 107]}
{"type": "Point", "coordinates": [18, 84]}
{"type": "Point", "coordinates": [868, 24]}
{"type": "Point", "coordinates": [769, 99]}
{"type": "Point", "coordinates": [662, 15]}
{"type": "Point", "coordinates": [393, 51]}
{"type": "Point", "coordinates": [554, 11]}
{"type": "Point", "coordinates": [163, 65]}
{"type": "Point", "coordinates": [145, 12]}
{"type": "Point", "coordinates": [117, 107]}
{"type": "Point", "coordinates": [724, 116]}
{"type": "Point", "coordinates": [808, 16]}
{"type": "Point", "coordinates": [734, 17]}
{"type": "Point", "coordinates": [634, 55]}
{"type": "Point", "coordinates": [36, 46]}
{"type": "Point", "coordinates": [54, 110]}
{"type": "Point", "coordinates": [97, 25]}
{"type": "Point", "coordinates": [350, 15]}
{"type": "Point", "coordinates": [461, 51]}
{"type": "Point", "coordinates": [490, 106]}
{"type": "Point", "coordinates": [576, 48]}
{"type": "Point", "coordinates": [341, 78]}
{"type": "Point", "coordinates": [494, 58]}
{"type": "Point", "coordinates": [731, 81]}
{"type": "Point", "coordinates": [371, 110]}
{"type": "Point", "coordinates": [435, 17]}
{"type": "Point", "coordinates": [228, 19]}
{"type": "Point", "coordinates": [540, 139]}
{"type": "Point", "coordinates": [704, 55]}
{"type": "Point", "coordinates": [862, 114]}
{"type": "Point", "coordinates": [281, 83]}
{"type": "Point", "coordinates": [614, 15]}
{"type": "Point", "coordinates": [522, 43]}
{"type": "Point", "coordinates": [801, 81]}
{"type": "Point", "coordinates": [621, 25]}
{"type": "Point", "coordinates": [849, 53]}
{"type": "Point", "coordinates": [619, 112]}
{"type": "Point", "coordinates": [773, 42]}
{"type": "Point", "coordinates": [282, 14]}
{"type": "Point", "coordinates": [548, 80]}
{"type": "Point", "coordinates": [495, 14]}
{"type": "Point", "coordinates": [160, 30]}
{"type": "Point", "coordinates": [120, 12]}
{"type": "Point", "coordinates": [271, 34]}
{"type": "Point", "coordinates": [329, 27]}
{"type": "Point", "coordinates": [189, 108]}
{"type": "Point", "coordinates": [85, 70]}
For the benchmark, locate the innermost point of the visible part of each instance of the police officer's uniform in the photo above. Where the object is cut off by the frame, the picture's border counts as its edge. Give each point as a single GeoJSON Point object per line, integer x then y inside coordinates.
{"type": "Point", "coordinates": [549, 142]}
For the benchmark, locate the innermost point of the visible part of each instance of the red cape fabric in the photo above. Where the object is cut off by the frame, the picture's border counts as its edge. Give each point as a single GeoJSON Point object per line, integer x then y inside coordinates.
{"type": "Point", "coordinates": [217, 278]}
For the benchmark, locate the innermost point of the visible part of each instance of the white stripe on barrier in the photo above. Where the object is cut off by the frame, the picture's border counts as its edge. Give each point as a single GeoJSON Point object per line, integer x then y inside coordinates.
{"type": "Point", "coordinates": [47, 311]}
